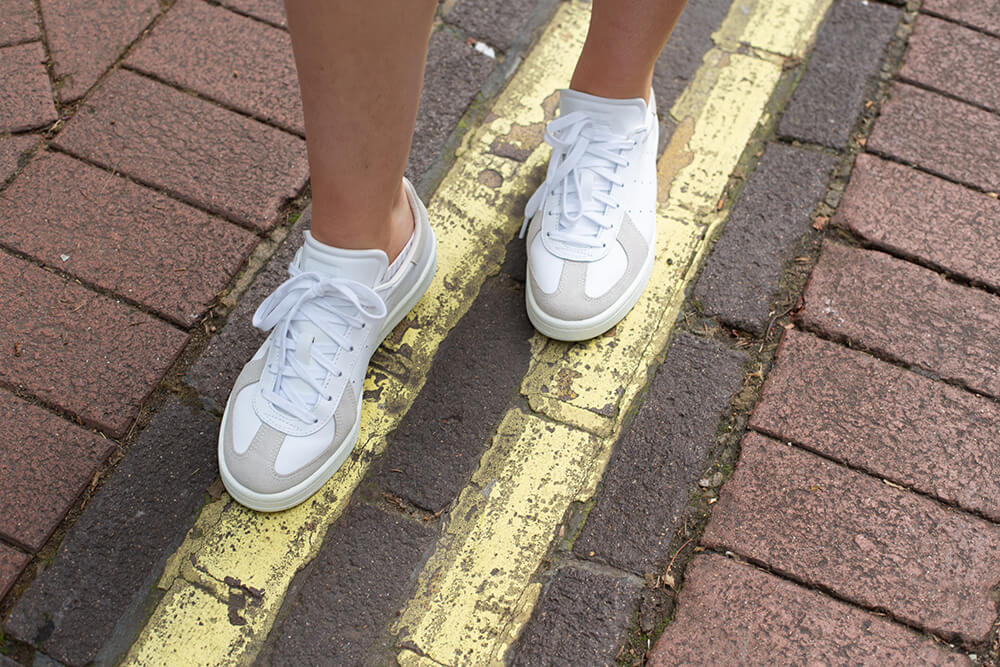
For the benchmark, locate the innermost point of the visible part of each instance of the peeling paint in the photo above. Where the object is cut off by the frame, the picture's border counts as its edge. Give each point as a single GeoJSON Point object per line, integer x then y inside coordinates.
{"type": "Point", "coordinates": [473, 223]}
{"type": "Point", "coordinates": [783, 27]}
{"type": "Point", "coordinates": [493, 545]}
{"type": "Point", "coordinates": [476, 592]}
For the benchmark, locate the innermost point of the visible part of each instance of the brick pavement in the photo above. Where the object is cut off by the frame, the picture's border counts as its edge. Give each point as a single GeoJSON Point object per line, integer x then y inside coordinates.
{"type": "Point", "coordinates": [866, 530]}
{"type": "Point", "coordinates": [861, 520]}
{"type": "Point", "coordinates": [155, 160]}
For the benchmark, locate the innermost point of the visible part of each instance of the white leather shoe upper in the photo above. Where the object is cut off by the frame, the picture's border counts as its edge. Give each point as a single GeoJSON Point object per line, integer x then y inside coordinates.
{"type": "Point", "coordinates": [294, 411]}
{"type": "Point", "coordinates": [591, 225]}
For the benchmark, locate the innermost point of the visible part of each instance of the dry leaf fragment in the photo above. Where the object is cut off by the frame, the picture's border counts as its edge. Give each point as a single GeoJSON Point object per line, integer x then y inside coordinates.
{"type": "Point", "coordinates": [820, 222]}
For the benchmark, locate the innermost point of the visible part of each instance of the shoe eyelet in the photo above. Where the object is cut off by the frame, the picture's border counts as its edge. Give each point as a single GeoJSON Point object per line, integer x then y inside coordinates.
{"type": "Point", "coordinates": [329, 399]}
{"type": "Point", "coordinates": [351, 349]}
{"type": "Point", "coordinates": [364, 324]}
{"type": "Point", "coordinates": [315, 421]}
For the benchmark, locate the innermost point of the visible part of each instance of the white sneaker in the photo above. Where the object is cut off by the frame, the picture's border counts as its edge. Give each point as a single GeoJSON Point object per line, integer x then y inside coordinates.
{"type": "Point", "coordinates": [294, 413]}
{"type": "Point", "coordinates": [591, 226]}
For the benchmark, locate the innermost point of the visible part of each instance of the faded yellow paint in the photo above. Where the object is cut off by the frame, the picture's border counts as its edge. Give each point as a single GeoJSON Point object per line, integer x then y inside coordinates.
{"type": "Point", "coordinates": [783, 27]}
{"type": "Point", "coordinates": [583, 384]}
{"type": "Point", "coordinates": [473, 219]}
{"type": "Point", "coordinates": [499, 532]}
{"type": "Point", "coordinates": [723, 121]}
{"type": "Point", "coordinates": [587, 384]}
{"type": "Point", "coordinates": [476, 592]}
{"type": "Point", "coordinates": [200, 629]}
{"type": "Point", "coordinates": [407, 658]}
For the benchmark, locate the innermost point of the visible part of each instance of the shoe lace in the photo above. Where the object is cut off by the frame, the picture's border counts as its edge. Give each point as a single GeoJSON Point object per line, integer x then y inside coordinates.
{"type": "Point", "coordinates": [585, 156]}
{"type": "Point", "coordinates": [335, 306]}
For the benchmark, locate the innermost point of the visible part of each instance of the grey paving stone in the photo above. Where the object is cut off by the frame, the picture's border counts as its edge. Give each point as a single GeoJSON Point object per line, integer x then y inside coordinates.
{"type": "Point", "coordinates": [475, 373]}
{"type": "Point", "coordinates": [7, 662]}
{"type": "Point", "coordinates": [360, 578]}
{"type": "Point", "coordinates": [680, 59]}
{"type": "Point", "coordinates": [215, 371]}
{"type": "Point", "coordinates": [134, 521]}
{"type": "Point", "coordinates": [656, 462]}
{"type": "Point", "coordinates": [496, 23]}
{"type": "Point", "coordinates": [770, 217]}
{"type": "Point", "coordinates": [582, 619]}
{"type": "Point", "coordinates": [844, 63]}
{"type": "Point", "coordinates": [455, 72]}
{"type": "Point", "coordinates": [690, 40]}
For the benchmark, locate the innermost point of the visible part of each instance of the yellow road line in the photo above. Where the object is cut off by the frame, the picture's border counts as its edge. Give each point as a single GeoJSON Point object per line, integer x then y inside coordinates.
{"type": "Point", "coordinates": [496, 538]}
{"type": "Point", "coordinates": [231, 551]}
{"type": "Point", "coordinates": [477, 589]}
{"type": "Point", "coordinates": [586, 384]}
{"type": "Point", "coordinates": [782, 27]}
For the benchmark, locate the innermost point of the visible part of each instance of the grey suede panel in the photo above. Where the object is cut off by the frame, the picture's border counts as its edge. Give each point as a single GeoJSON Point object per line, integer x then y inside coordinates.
{"type": "Point", "coordinates": [570, 301]}
{"type": "Point", "coordinates": [250, 374]}
{"type": "Point", "coordinates": [254, 469]}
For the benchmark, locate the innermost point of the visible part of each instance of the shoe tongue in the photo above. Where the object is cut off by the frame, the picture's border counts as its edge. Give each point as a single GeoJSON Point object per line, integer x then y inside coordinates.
{"type": "Point", "coordinates": [623, 116]}
{"type": "Point", "coordinates": [365, 266]}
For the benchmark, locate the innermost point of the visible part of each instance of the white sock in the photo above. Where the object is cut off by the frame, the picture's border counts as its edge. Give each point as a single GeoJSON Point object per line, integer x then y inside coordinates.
{"type": "Point", "coordinates": [397, 263]}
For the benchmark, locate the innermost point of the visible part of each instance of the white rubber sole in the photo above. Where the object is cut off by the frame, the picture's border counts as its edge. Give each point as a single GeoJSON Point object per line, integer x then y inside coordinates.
{"type": "Point", "coordinates": [572, 331]}
{"type": "Point", "coordinates": [283, 500]}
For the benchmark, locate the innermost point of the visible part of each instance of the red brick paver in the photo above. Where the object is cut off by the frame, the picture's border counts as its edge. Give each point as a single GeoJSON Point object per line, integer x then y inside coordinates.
{"type": "Point", "coordinates": [236, 60]}
{"type": "Point", "coordinates": [216, 159]}
{"type": "Point", "coordinates": [871, 543]}
{"type": "Point", "coordinates": [272, 11]}
{"type": "Point", "coordinates": [954, 59]}
{"type": "Point", "coordinates": [903, 311]}
{"type": "Point", "coordinates": [944, 136]}
{"type": "Point", "coordinates": [45, 463]}
{"type": "Point", "coordinates": [11, 151]}
{"type": "Point", "coordinates": [26, 102]}
{"type": "Point", "coordinates": [11, 564]}
{"type": "Point", "coordinates": [735, 614]}
{"type": "Point", "coordinates": [18, 22]}
{"type": "Point", "coordinates": [914, 214]}
{"type": "Point", "coordinates": [892, 423]}
{"type": "Point", "coordinates": [85, 38]}
{"type": "Point", "coordinates": [71, 347]}
{"type": "Point", "coordinates": [121, 236]}
{"type": "Point", "coordinates": [982, 14]}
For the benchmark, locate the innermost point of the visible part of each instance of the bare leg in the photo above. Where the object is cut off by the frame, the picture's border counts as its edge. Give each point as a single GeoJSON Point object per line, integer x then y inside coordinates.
{"type": "Point", "coordinates": [623, 42]}
{"type": "Point", "coordinates": [360, 66]}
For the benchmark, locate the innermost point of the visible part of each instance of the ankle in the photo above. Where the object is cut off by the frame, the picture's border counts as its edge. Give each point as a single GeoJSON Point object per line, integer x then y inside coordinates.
{"type": "Point", "coordinates": [605, 84]}
{"type": "Point", "coordinates": [401, 225]}
{"type": "Point", "coordinates": [335, 224]}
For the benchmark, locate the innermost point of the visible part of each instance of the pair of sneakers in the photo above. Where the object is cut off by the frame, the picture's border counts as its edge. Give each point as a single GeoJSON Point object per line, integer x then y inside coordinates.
{"type": "Point", "coordinates": [294, 412]}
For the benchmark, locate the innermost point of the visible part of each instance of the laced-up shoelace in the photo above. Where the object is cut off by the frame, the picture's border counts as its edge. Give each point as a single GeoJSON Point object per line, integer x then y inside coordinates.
{"type": "Point", "coordinates": [582, 152]}
{"type": "Point", "coordinates": [335, 306]}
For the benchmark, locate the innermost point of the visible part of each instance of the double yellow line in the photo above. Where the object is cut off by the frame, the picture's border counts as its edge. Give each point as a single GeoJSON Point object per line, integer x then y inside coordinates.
{"type": "Point", "coordinates": [476, 591]}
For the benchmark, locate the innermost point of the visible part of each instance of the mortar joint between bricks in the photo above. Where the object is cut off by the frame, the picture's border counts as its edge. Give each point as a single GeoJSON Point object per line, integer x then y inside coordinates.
{"type": "Point", "coordinates": [897, 483]}
{"type": "Point", "coordinates": [950, 641]}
